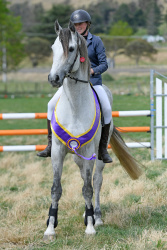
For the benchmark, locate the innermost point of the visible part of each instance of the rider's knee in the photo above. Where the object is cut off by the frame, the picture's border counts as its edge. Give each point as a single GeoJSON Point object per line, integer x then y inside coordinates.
{"type": "Point", "coordinates": [50, 105]}
{"type": "Point", "coordinates": [107, 111]}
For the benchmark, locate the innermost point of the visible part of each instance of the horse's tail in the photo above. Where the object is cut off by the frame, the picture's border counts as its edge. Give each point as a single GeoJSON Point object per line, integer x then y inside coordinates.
{"type": "Point", "coordinates": [126, 159]}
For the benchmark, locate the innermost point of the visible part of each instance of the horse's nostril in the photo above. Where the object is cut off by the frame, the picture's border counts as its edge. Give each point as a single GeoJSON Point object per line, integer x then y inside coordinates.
{"type": "Point", "coordinates": [56, 78]}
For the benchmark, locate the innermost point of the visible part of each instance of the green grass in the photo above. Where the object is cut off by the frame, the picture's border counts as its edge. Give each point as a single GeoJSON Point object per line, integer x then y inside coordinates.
{"type": "Point", "coordinates": [136, 220]}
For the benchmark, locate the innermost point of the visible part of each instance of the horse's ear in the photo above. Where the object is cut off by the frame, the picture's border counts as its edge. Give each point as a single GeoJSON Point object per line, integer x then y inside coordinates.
{"type": "Point", "coordinates": [57, 27]}
{"type": "Point", "coordinates": [71, 26]}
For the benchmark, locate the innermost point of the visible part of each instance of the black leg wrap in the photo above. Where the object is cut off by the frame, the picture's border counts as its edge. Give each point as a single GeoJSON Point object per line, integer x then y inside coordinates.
{"type": "Point", "coordinates": [89, 212]}
{"type": "Point", "coordinates": [53, 212]}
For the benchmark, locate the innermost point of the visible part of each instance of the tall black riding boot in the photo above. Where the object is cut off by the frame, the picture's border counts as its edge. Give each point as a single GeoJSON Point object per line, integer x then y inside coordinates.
{"type": "Point", "coordinates": [47, 151]}
{"type": "Point", "coordinates": [103, 154]}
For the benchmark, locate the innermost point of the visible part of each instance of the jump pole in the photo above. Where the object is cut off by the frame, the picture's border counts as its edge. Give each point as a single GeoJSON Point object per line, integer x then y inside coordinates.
{"type": "Point", "coordinates": [45, 131]}
{"type": "Point", "coordinates": [5, 116]}
{"type": "Point", "coordinates": [22, 148]}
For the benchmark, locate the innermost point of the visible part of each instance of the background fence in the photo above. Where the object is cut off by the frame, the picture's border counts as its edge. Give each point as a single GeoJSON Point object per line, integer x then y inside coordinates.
{"type": "Point", "coordinates": [5, 116]}
{"type": "Point", "coordinates": [158, 97]}
{"type": "Point", "coordinates": [157, 129]}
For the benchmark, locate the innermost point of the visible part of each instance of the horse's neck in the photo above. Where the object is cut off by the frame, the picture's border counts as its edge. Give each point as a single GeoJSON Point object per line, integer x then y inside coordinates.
{"type": "Point", "coordinates": [76, 106]}
{"type": "Point", "coordinates": [78, 95]}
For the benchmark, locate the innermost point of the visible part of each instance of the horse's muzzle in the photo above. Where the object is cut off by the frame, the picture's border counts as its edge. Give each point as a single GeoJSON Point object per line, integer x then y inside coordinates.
{"type": "Point", "coordinates": [55, 82]}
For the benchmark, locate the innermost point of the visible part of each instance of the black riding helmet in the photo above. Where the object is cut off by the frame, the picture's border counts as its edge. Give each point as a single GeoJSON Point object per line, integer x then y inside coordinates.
{"type": "Point", "coordinates": [80, 16]}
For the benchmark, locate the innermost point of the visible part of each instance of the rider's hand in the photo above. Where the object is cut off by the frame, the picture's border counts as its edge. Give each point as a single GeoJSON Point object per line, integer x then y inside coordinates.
{"type": "Point", "coordinates": [91, 71]}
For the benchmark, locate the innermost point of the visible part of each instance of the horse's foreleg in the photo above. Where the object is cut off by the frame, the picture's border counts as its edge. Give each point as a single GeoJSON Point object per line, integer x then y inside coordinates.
{"type": "Point", "coordinates": [97, 183]}
{"type": "Point", "coordinates": [56, 192]}
{"type": "Point", "coordinates": [87, 192]}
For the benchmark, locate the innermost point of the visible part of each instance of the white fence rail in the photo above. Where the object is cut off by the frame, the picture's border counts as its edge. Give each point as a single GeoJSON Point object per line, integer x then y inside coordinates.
{"type": "Point", "coordinates": [158, 96]}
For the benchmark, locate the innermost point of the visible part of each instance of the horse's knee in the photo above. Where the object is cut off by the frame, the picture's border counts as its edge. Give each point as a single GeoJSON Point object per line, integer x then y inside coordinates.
{"type": "Point", "coordinates": [56, 190]}
{"type": "Point", "coordinates": [87, 189]}
{"type": "Point", "coordinates": [87, 192]}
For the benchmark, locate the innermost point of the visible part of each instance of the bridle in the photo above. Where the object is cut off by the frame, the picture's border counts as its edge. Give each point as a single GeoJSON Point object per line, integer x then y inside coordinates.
{"type": "Point", "coordinates": [72, 65]}
{"type": "Point", "coordinates": [76, 79]}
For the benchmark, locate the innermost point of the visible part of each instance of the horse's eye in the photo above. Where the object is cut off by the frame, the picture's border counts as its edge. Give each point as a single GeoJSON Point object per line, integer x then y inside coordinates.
{"type": "Point", "coordinates": [71, 49]}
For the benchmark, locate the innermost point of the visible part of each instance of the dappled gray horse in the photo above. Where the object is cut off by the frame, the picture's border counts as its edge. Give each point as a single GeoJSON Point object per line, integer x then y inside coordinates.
{"type": "Point", "coordinates": [76, 127]}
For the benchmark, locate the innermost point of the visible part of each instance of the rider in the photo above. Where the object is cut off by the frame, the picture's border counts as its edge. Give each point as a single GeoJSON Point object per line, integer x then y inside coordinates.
{"type": "Point", "coordinates": [97, 57]}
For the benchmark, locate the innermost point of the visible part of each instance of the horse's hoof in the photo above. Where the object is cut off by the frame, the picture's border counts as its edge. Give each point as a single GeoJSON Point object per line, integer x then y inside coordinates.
{"type": "Point", "coordinates": [90, 230]}
{"type": "Point", "coordinates": [49, 237]}
{"type": "Point", "coordinates": [98, 222]}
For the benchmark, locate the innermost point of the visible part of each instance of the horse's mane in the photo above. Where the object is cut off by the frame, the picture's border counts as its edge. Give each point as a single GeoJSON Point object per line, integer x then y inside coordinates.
{"type": "Point", "coordinates": [84, 53]}
{"type": "Point", "coordinates": [65, 36]}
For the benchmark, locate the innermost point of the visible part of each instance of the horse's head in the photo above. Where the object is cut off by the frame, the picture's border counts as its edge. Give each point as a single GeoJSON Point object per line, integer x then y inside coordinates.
{"type": "Point", "coordinates": [67, 50]}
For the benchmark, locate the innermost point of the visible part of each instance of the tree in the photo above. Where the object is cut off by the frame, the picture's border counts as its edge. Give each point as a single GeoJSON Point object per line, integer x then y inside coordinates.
{"type": "Point", "coordinates": [122, 13]}
{"type": "Point", "coordinates": [37, 49]}
{"type": "Point", "coordinates": [118, 38]}
{"type": "Point", "coordinates": [139, 48]}
{"type": "Point", "coordinates": [60, 12]}
{"type": "Point", "coordinates": [11, 37]}
{"type": "Point", "coordinates": [121, 29]}
{"type": "Point", "coordinates": [145, 14]}
{"type": "Point", "coordinates": [139, 19]}
{"type": "Point", "coordinates": [163, 27]}
{"type": "Point", "coordinates": [30, 14]}
{"type": "Point", "coordinates": [152, 14]}
{"type": "Point", "coordinates": [130, 14]}
{"type": "Point", "coordinates": [101, 14]}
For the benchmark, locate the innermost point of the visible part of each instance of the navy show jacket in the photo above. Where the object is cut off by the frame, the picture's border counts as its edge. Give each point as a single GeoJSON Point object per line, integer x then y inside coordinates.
{"type": "Point", "coordinates": [97, 57]}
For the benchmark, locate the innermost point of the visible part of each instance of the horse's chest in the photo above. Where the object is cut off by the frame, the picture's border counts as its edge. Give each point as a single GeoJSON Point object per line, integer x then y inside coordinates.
{"type": "Point", "coordinates": [77, 114]}
{"type": "Point", "coordinates": [76, 125]}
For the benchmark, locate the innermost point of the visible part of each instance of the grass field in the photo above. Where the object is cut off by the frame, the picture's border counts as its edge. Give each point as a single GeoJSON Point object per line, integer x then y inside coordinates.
{"type": "Point", "coordinates": [134, 212]}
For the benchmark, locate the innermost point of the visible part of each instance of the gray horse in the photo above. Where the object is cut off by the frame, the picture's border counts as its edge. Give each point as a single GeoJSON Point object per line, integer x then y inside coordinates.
{"type": "Point", "coordinates": [74, 117]}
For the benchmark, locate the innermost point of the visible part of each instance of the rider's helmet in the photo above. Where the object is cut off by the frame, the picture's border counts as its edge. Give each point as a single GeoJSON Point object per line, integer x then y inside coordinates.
{"type": "Point", "coordinates": [80, 16]}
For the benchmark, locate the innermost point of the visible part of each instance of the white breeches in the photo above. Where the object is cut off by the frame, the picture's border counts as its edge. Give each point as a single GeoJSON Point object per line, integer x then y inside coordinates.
{"type": "Point", "coordinates": [52, 103]}
{"type": "Point", "coordinates": [105, 104]}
